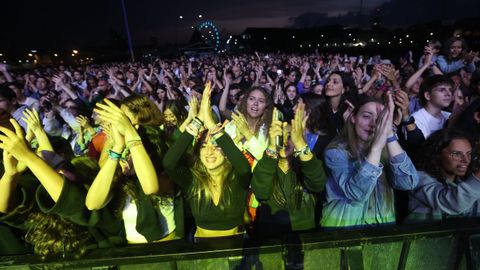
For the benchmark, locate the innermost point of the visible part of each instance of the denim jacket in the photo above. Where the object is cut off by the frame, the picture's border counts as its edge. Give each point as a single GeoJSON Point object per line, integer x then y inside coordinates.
{"type": "Point", "coordinates": [358, 193]}
{"type": "Point", "coordinates": [454, 66]}
{"type": "Point", "coordinates": [434, 200]}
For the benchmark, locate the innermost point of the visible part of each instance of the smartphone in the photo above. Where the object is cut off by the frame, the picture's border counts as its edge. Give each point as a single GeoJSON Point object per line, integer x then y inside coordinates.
{"type": "Point", "coordinates": [279, 71]}
{"type": "Point", "coordinates": [279, 139]}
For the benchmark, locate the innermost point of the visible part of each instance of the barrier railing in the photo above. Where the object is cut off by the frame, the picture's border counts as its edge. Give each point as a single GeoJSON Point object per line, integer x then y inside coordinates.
{"type": "Point", "coordinates": [450, 245]}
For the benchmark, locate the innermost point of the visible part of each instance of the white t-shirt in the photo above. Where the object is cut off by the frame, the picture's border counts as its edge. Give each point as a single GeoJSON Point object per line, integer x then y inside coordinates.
{"type": "Point", "coordinates": [130, 213]}
{"type": "Point", "coordinates": [427, 123]}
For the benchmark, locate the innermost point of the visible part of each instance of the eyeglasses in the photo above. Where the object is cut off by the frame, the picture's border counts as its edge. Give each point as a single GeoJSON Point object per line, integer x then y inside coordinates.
{"type": "Point", "coordinates": [458, 156]}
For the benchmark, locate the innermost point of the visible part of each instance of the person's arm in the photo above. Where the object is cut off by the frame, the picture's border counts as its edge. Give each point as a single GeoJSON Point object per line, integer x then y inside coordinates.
{"type": "Point", "coordinates": [446, 67]}
{"type": "Point", "coordinates": [415, 76]}
{"type": "Point", "coordinates": [312, 168]}
{"type": "Point", "coordinates": [192, 113]}
{"type": "Point", "coordinates": [263, 175]}
{"type": "Point", "coordinates": [35, 130]}
{"type": "Point", "coordinates": [404, 174]}
{"type": "Point", "coordinates": [180, 174]}
{"type": "Point", "coordinates": [65, 87]}
{"type": "Point", "coordinates": [8, 183]}
{"type": "Point", "coordinates": [237, 159]}
{"type": "Point", "coordinates": [6, 74]}
{"type": "Point", "coordinates": [449, 199]}
{"type": "Point", "coordinates": [146, 173]}
{"type": "Point", "coordinates": [369, 83]}
{"type": "Point", "coordinates": [148, 86]}
{"type": "Point", "coordinates": [15, 144]}
{"type": "Point", "coordinates": [222, 105]}
{"type": "Point", "coordinates": [356, 181]}
{"type": "Point", "coordinates": [100, 191]}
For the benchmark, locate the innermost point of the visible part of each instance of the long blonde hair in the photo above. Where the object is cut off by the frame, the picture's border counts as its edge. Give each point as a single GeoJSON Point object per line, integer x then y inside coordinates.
{"type": "Point", "coordinates": [348, 139]}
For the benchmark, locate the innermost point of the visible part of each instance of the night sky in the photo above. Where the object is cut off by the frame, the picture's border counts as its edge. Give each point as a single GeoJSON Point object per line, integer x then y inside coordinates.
{"type": "Point", "coordinates": [56, 24]}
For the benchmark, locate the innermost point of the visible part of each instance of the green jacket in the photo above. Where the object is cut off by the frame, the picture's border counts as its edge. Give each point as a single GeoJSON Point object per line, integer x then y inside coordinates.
{"type": "Point", "coordinates": [289, 215]}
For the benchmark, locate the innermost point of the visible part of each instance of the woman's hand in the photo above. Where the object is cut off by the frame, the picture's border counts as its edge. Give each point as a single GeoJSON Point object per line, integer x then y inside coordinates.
{"type": "Point", "coordinates": [205, 112]}
{"type": "Point", "coordinates": [242, 125]}
{"type": "Point", "coordinates": [117, 140]}
{"type": "Point", "coordinates": [110, 113]}
{"type": "Point", "coordinates": [384, 124]}
{"type": "Point", "coordinates": [402, 103]}
{"type": "Point", "coordinates": [34, 125]}
{"type": "Point", "coordinates": [193, 108]}
{"type": "Point", "coordinates": [11, 165]}
{"type": "Point", "coordinates": [83, 122]}
{"type": "Point", "coordinates": [13, 142]}
{"type": "Point", "coordinates": [298, 139]}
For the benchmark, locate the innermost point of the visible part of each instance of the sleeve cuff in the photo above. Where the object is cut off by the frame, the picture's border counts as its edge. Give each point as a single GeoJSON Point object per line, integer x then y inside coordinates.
{"type": "Point", "coordinates": [371, 170]}
{"type": "Point", "coordinates": [398, 159]}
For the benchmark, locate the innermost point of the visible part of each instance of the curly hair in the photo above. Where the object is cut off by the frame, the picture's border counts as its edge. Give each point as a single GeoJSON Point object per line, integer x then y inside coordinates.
{"type": "Point", "coordinates": [50, 234]}
{"type": "Point", "coordinates": [430, 155]}
{"type": "Point", "coordinates": [266, 118]}
{"type": "Point", "coordinates": [143, 108]}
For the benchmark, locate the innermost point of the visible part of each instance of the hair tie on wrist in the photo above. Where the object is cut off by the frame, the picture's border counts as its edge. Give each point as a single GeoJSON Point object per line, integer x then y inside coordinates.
{"type": "Point", "coordinates": [114, 155]}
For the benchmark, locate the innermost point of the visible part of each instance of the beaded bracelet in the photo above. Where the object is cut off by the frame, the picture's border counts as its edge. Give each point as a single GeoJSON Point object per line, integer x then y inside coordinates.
{"type": "Point", "coordinates": [271, 153]}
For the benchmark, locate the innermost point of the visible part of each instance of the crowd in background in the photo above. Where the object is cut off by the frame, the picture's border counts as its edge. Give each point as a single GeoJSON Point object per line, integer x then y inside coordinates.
{"type": "Point", "coordinates": [253, 145]}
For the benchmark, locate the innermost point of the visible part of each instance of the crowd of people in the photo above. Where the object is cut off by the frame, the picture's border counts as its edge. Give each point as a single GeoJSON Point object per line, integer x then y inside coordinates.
{"type": "Point", "coordinates": [234, 146]}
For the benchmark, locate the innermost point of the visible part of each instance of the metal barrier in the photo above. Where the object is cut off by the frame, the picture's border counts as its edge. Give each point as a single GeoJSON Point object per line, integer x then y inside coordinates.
{"type": "Point", "coordinates": [451, 245]}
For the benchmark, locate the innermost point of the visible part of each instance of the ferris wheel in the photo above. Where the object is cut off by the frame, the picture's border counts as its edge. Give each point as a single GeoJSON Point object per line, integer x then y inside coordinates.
{"type": "Point", "coordinates": [210, 34]}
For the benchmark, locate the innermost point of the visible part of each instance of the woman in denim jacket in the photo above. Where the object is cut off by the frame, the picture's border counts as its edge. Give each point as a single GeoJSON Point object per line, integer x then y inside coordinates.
{"type": "Point", "coordinates": [359, 191]}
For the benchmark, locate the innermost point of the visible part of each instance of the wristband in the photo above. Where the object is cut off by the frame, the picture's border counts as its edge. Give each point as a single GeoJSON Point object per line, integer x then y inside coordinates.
{"type": "Point", "coordinates": [410, 121]}
{"type": "Point", "coordinates": [392, 138]}
{"type": "Point", "coordinates": [131, 144]}
{"type": "Point", "coordinates": [114, 155]}
{"type": "Point", "coordinates": [197, 123]}
{"type": "Point", "coordinates": [271, 153]}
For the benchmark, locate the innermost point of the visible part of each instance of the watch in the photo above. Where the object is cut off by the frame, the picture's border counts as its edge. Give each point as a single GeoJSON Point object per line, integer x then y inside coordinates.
{"type": "Point", "coordinates": [304, 151]}
{"type": "Point", "coordinates": [410, 121]}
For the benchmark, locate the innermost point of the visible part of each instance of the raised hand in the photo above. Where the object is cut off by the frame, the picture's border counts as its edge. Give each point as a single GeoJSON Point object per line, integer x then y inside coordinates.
{"type": "Point", "coordinates": [242, 125]}
{"type": "Point", "coordinates": [34, 124]}
{"type": "Point", "coordinates": [348, 111]}
{"type": "Point", "coordinates": [384, 124]}
{"type": "Point", "coordinates": [110, 113]}
{"type": "Point", "coordinates": [11, 165]}
{"type": "Point", "coordinates": [193, 108]}
{"type": "Point", "coordinates": [205, 112]}
{"type": "Point", "coordinates": [402, 103]}
{"type": "Point", "coordinates": [14, 142]}
{"type": "Point", "coordinates": [298, 139]}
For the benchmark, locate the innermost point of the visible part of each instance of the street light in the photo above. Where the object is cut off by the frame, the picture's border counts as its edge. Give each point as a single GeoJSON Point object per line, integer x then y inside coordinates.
{"type": "Point", "coordinates": [56, 55]}
{"type": "Point", "coordinates": [200, 16]}
{"type": "Point", "coordinates": [75, 51]}
{"type": "Point", "coordinates": [30, 54]}
{"type": "Point", "coordinates": [180, 17]}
